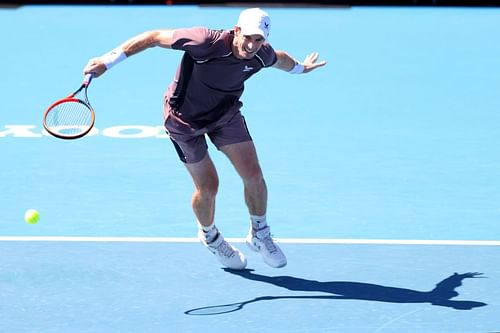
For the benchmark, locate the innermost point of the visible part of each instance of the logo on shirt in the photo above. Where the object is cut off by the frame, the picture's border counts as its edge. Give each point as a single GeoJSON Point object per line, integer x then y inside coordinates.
{"type": "Point", "coordinates": [247, 68]}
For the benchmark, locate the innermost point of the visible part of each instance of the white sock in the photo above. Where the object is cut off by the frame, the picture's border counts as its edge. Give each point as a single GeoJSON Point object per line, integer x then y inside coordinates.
{"type": "Point", "coordinates": [210, 232]}
{"type": "Point", "coordinates": [258, 222]}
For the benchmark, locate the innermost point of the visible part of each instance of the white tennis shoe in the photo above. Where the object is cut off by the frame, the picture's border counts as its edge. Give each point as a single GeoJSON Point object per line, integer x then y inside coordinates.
{"type": "Point", "coordinates": [262, 241]}
{"type": "Point", "coordinates": [228, 255]}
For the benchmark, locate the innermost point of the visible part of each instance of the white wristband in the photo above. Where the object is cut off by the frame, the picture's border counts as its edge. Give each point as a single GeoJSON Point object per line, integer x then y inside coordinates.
{"type": "Point", "coordinates": [113, 57]}
{"type": "Point", "coordinates": [297, 69]}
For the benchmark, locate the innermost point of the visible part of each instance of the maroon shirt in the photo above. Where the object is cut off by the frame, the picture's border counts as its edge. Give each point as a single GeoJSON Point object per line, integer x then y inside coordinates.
{"type": "Point", "coordinates": [217, 79]}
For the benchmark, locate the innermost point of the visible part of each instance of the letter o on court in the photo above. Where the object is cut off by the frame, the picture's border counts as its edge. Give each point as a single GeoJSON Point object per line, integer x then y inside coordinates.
{"type": "Point", "coordinates": [130, 132]}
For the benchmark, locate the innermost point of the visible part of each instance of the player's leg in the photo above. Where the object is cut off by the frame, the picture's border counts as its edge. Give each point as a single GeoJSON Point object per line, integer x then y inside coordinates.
{"type": "Point", "coordinates": [192, 149]}
{"type": "Point", "coordinates": [232, 138]}
{"type": "Point", "coordinates": [244, 158]}
{"type": "Point", "coordinates": [206, 183]}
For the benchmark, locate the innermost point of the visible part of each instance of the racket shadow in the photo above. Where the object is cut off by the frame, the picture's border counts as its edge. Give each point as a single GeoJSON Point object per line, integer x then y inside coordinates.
{"type": "Point", "coordinates": [232, 307]}
{"type": "Point", "coordinates": [345, 290]}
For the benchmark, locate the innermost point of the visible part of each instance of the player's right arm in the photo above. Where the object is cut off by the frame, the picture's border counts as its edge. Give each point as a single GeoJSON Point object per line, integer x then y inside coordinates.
{"type": "Point", "coordinates": [161, 38]}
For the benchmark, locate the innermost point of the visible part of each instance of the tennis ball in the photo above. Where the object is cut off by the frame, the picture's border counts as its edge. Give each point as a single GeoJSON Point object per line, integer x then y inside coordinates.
{"type": "Point", "coordinates": [31, 216]}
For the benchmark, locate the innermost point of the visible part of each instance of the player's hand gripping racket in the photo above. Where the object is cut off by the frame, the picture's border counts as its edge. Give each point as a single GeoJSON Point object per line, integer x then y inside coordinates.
{"type": "Point", "coordinates": [70, 117]}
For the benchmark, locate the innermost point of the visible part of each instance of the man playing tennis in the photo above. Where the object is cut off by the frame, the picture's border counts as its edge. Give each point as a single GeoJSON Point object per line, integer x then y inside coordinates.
{"type": "Point", "coordinates": [204, 99]}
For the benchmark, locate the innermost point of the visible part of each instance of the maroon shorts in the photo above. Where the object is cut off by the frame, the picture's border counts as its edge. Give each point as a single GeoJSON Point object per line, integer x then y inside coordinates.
{"type": "Point", "coordinates": [190, 142]}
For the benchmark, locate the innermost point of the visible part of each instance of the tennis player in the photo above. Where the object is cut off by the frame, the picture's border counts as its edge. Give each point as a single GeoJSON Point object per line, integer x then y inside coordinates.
{"type": "Point", "coordinates": [204, 100]}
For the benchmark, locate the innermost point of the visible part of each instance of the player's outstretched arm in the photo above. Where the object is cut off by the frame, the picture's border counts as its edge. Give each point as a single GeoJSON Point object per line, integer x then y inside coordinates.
{"type": "Point", "coordinates": [136, 44]}
{"type": "Point", "coordinates": [287, 63]}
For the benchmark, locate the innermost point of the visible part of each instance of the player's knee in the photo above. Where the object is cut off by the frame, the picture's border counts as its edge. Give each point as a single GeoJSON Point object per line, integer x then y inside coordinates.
{"type": "Point", "coordinates": [254, 178]}
{"type": "Point", "coordinates": [208, 189]}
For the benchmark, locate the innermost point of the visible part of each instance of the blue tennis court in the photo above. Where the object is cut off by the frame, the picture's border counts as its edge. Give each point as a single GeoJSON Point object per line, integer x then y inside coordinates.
{"type": "Point", "coordinates": [382, 169]}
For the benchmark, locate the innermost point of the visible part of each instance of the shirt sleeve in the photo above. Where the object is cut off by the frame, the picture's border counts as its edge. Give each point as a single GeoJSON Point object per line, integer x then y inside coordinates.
{"type": "Point", "coordinates": [196, 41]}
{"type": "Point", "coordinates": [268, 55]}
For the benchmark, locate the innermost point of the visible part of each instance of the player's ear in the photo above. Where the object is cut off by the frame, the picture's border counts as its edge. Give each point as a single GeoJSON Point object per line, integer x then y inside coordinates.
{"type": "Point", "coordinates": [237, 30]}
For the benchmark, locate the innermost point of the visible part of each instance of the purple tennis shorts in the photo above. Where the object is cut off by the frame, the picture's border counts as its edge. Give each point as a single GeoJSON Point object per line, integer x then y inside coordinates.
{"type": "Point", "coordinates": [190, 143]}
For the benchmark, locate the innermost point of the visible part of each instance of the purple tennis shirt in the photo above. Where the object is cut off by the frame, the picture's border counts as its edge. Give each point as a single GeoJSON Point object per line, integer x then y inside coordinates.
{"type": "Point", "coordinates": [216, 82]}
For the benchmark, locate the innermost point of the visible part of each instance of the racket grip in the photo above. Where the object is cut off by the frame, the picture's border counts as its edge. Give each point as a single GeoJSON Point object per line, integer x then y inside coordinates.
{"type": "Point", "coordinates": [87, 78]}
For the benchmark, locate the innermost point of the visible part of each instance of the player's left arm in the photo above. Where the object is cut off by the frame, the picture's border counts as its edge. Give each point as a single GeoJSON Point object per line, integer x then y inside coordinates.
{"type": "Point", "coordinates": [287, 63]}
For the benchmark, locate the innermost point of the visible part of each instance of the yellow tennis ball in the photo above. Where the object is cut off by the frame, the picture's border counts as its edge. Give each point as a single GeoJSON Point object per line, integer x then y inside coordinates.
{"type": "Point", "coordinates": [31, 216]}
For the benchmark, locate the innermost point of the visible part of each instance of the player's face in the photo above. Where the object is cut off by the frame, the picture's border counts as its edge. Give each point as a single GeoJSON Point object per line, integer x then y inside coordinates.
{"type": "Point", "coordinates": [246, 46]}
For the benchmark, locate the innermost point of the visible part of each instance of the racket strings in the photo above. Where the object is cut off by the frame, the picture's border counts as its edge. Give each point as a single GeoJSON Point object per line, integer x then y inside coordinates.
{"type": "Point", "coordinates": [69, 118]}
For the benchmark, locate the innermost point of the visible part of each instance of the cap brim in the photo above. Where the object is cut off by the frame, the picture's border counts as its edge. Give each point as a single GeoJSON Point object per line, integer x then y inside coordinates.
{"type": "Point", "coordinates": [253, 31]}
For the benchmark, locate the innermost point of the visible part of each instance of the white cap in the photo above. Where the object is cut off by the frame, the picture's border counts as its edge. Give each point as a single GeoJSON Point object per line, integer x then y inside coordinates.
{"type": "Point", "coordinates": [254, 21]}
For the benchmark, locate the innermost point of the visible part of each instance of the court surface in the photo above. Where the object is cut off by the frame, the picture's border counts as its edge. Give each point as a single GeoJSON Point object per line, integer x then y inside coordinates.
{"type": "Point", "coordinates": [382, 169]}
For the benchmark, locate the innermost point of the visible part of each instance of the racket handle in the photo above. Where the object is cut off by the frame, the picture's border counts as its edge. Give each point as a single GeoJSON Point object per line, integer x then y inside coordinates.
{"type": "Point", "coordinates": [88, 77]}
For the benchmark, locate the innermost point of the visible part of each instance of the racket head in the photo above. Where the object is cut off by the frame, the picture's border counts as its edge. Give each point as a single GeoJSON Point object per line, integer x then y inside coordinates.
{"type": "Point", "coordinates": [69, 118]}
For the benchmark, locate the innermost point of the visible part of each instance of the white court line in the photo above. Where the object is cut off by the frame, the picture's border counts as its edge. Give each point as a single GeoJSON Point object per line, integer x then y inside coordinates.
{"type": "Point", "coordinates": [242, 240]}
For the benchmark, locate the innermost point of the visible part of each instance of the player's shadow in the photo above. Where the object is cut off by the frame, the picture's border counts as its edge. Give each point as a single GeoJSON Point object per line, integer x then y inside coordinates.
{"type": "Point", "coordinates": [441, 295]}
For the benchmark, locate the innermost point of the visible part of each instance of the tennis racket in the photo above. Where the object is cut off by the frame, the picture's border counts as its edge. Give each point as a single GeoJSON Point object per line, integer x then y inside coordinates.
{"type": "Point", "coordinates": [70, 117]}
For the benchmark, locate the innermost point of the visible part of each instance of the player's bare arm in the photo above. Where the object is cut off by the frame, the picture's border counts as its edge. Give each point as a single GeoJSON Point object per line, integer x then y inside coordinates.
{"type": "Point", "coordinates": [139, 43]}
{"type": "Point", "coordinates": [287, 63]}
